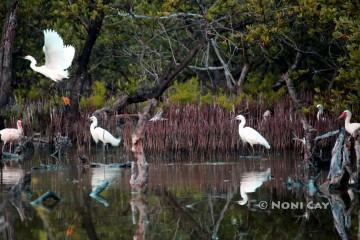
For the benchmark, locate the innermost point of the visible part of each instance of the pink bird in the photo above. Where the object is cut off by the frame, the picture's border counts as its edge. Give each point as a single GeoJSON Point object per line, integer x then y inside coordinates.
{"type": "Point", "coordinates": [11, 135]}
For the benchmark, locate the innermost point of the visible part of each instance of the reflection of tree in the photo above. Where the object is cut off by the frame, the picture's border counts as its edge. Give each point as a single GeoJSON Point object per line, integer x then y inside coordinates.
{"type": "Point", "coordinates": [222, 213]}
{"type": "Point", "coordinates": [341, 211]}
{"type": "Point", "coordinates": [138, 202]}
{"type": "Point", "coordinates": [188, 223]}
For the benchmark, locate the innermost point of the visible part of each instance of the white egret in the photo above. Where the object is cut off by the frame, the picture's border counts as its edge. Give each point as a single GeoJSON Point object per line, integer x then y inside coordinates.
{"type": "Point", "coordinates": [349, 127]}
{"type": "Point", "coordinates": [266, 115]}
{"type": "Point", "coordinates": [251, 181]}
{"type": "Point", "coordinates": [158, 117]}
{"type": "Point", "coordinates": [58, 57]}
{"type": "Point", "coordinates": [320, 113]}
{"type": "Point", "coordinates": [11, 135]}
{"type": "Point", "coordinates": [250, 135]}
{"type": "Point", "coordinates": [100, 134]}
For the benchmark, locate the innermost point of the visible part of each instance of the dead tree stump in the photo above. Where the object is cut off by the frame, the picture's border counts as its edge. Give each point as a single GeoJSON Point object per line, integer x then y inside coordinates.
{"type": "Point", "coordinates": [340, 172]}
{"type": "Point", "coordinates": [140, 168]}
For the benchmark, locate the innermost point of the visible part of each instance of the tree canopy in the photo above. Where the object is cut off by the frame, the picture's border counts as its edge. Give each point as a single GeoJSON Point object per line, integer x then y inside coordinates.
{"type": "Point", "coordinates": [242, 48]}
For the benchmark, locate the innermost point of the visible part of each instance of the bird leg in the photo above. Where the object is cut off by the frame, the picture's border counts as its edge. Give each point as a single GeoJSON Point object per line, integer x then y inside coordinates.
{"type": "Point", "coordinates": [10, 146]}
{"type": "Point", "coordinates": [104, 152]}
{"type": "Point", "coordinates": [2, 149]}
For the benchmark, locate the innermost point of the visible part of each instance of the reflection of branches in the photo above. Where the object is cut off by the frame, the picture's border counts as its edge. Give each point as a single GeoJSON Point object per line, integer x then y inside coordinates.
{"type": "Point", "coordinates": [186, 218]}
{"type": "Point", "coordinates": [222, 213]}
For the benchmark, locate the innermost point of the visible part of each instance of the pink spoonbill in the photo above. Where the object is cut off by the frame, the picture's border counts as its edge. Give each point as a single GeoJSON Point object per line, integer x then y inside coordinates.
{"type": "Point", "coordinates": [12, 135]}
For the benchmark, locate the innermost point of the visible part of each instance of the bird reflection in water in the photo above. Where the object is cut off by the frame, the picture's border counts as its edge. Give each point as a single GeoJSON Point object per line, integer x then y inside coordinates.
{"type": "Point", "coordinates": [251, 181]}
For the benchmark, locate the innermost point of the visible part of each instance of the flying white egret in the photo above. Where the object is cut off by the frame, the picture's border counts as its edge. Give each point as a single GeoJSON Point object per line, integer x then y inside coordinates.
{"type": "Point", "coordinates": [250, 135]}
{"type": "Point", "coordinates": [349, 127]}
{"type": "Point", "coordinates": [100, 134]}
{"type": "Point", "coordinates": [11, 135]}
{"type": "Point", "coordinates": [320, 113]}
{"type": "Point", "coordinates": [251, 181]}
{"type": "Point", "coordinates": [58, 57]}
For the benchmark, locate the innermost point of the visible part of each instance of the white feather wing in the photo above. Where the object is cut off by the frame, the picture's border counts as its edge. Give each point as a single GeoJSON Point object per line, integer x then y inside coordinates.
{"type": "Point", "coordinates": [57, 56]}
{"type": "Point", "coordinates": [252, 136]}
{"type": "Point", "coordinates": [105, 137]}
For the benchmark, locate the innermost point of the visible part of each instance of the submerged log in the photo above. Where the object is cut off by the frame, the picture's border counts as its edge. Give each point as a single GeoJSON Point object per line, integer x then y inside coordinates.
{"type": "Point", "coordinates": [140, 168]}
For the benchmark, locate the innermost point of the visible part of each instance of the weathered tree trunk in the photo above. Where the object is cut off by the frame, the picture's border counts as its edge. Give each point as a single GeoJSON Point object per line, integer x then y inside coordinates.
{"type": "Point", "coordinates": [166, 80]}
{"type": "Point", "coordinates": [7, 41]}
{"type": "Point", "coordinates": [310, 132]}
{"type": "Point", "coordinates": [81, 75]}
{"type": "Point", "coordinates": [140, 168]}
{"type": "Point", "coordinates": [244, 71]}
{"type": "Point", "coordinates": [339, 167]}
{"type": "Point", "coordinates": [357, 152]}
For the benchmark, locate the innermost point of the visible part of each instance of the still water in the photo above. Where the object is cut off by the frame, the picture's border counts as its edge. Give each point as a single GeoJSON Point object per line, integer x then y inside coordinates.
{"type": "Point", "coordinates": [222, 197]}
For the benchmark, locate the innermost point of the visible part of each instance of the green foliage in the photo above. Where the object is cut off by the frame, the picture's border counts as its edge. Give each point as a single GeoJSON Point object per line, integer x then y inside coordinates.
{"type": "Point", "coordinates": [134, 52]}
{"type": "Point", "coordinates": [187, 92]}
{"type": "Point", "coordinates": [97, 97]}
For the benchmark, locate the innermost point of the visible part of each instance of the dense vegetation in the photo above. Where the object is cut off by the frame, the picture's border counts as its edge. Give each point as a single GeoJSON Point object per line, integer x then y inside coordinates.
{"type": "Point", "coordinates": [242, 50]}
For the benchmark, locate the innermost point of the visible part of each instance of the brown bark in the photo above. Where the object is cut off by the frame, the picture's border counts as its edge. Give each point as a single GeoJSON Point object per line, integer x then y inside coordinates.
{"type": "Point", "coordinates": [7, 41]}
{"type": "Point", "coordinates": [81, 75]}
{"type": "Point", "coordinates": [140, 168]}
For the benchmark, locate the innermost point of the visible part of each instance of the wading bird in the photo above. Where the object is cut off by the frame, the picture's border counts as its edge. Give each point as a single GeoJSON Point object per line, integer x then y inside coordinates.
{"type": "Point", "coordinates": [320, 113]}
{"type": "Point", "coordinates": [100, 134]}
{"type": "Point", "coordinates": [349, 127]}
{"type": "Point", "coordinates": [12, 135]}
{"type": "Point", "coordinates": [58, 57]}
{"type": "Point", "coordinates": [250, 181]}
{"type": "Point", "coordinates": [250, 135]}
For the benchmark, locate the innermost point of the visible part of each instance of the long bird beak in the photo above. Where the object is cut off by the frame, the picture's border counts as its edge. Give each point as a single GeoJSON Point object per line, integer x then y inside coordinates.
{"type": "Point", "coordinates": [343, 114]}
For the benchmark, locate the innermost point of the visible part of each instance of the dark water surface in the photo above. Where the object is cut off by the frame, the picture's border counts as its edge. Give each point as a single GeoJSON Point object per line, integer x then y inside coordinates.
{"type": "Point", "coordinates": [193, 198]}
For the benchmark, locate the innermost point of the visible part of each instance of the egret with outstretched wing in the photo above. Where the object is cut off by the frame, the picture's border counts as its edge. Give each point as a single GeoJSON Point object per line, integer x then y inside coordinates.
{"type": "Point", "coordinates": [58, 57]}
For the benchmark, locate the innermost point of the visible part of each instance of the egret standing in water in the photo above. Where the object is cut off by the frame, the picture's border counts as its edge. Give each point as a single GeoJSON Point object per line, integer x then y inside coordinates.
{"type": "Point", "coordinates": [349, 127]}
{"type": "Point", "coordinates": [100, 134]}
{"type": "Point", "coordinates": [58, 57]}
{"type": "Point", "coordinates": [250, 135]}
